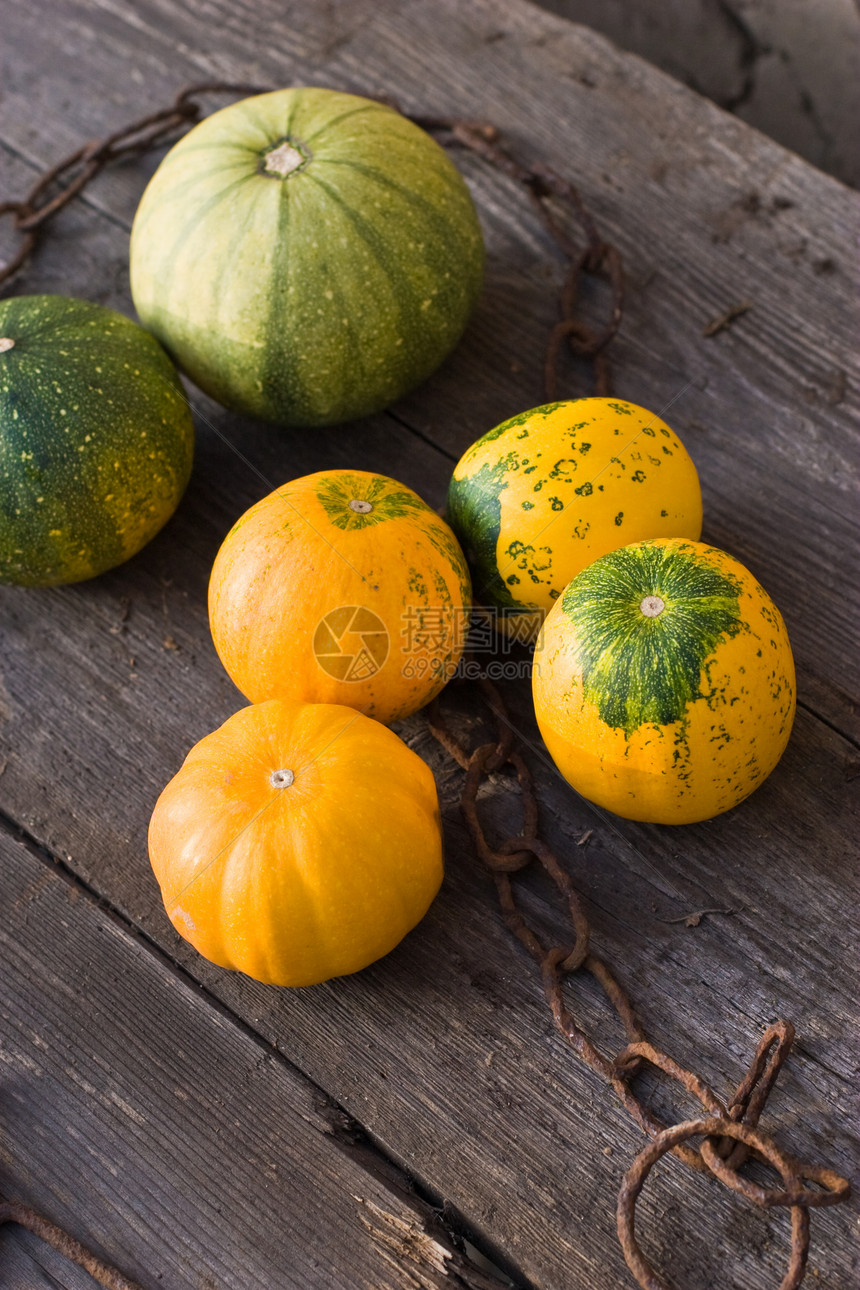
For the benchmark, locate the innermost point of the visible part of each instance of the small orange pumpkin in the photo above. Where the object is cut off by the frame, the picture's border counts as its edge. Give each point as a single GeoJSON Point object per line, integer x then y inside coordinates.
{"type": "Point", "coordinates": [297, 843]}
{"type": "Point", "coordinates": [341, 587]}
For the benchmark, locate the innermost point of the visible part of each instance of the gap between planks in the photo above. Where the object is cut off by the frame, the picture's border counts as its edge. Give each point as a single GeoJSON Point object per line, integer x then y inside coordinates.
{"type": "Point", "coordinates": [343, 1128]}
{"type": "Point", "coordinates": [849, 739]}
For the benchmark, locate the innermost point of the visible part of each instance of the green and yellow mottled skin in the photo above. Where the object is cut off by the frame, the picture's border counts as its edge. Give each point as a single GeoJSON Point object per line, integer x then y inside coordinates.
{"type": "Point", "coordinates": [537, 499]}
{"type": "Point", "coordinates": [320, 294]}
{"type": "Point", "coordinates": [341, 587]}
{"type": "Point", "coordinates": [96, 440]}
{"type": "Point", "coordinates": [664, 682]}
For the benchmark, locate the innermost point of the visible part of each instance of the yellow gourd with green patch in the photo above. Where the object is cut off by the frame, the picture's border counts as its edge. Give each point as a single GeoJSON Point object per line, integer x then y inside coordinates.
{"type": "Point", "coordinates": [664, 682]}
{"type": "Point", "coordinates": [545, 493]}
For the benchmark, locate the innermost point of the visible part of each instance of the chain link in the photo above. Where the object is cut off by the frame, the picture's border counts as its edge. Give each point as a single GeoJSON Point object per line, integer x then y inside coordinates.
{"type": "Point", "coordinates": [102, 1273]}
{"type": "Point", "coordinates": [730, 1132]}
{"type": "Point", "coordinates": [58, 185]}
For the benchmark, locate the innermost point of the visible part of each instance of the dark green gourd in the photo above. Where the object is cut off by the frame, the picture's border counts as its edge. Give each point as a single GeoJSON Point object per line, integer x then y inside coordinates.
{"type": "Point", "coordinates": [96, 439]}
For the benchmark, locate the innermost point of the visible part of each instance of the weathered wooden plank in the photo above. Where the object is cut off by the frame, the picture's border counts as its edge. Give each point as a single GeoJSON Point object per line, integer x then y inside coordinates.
{"type": "Point", "coordinates": [492, 1107]}
{"type": "Point", "coordinates": [493, 1139]}
{"type": "Point", "coordinates": [171, 1142]}
{"type": "Point", "coordinates": [27, 1264]}
{"type": "Point", "coordinates": [442, 1014]}
{"type": "Point", "coordinates": [706, 211]}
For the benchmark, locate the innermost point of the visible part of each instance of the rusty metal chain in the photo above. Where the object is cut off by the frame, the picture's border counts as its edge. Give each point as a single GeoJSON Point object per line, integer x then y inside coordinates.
{"type": "Point", "coordinates": [729, 1132]}
{"type": "Point", "coordinates": [54, 189]}
{"type": "Point", "coordinates": [597, 257]}
{"type": "Point", "coordinates": [102, 1273]}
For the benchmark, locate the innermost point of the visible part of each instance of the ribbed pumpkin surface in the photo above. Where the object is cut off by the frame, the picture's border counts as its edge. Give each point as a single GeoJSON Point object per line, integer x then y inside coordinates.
{"type": "Point", "coordinates": [96, 439]}
{"type": "Point", "coordinates": [306, 256]}
{"type": "Point", "coordinates": [297, 842]}
{"type": "Point", "coordinates": [664, 682]}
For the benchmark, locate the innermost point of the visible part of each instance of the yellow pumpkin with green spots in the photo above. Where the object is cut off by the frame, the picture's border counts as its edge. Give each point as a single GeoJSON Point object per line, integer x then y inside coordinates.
{"type": "Point", "coordinates": [341, 587]}
{"type": "Point", "coordinates": [544, 494]}
{"type": "Point", "coordinates": [664, 682]}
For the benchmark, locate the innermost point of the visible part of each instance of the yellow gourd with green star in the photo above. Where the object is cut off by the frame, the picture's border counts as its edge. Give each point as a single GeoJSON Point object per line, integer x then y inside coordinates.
{"type": "Point", "coordinates": [664, 682]}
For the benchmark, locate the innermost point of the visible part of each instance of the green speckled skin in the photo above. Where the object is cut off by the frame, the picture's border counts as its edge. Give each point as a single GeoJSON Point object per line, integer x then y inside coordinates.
{"type": "Point", "coordinates": [638, 669]}
{"type": "Point", "coordinates": [538, 498]}
{"type": "Point", "coordinates": [320, 295]}
{"type": "Point", "coordinates": [96, 439]}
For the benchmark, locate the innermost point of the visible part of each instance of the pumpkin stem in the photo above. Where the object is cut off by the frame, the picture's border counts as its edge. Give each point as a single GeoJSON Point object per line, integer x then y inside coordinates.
{"type": "Point", "coordinates": [6, 342]}
{"type": "Point", "coordinates": [281, 778]}
{"type": "Point", "coordinates": [361, 506]}
{"type": "Point", "coordinates": [651, 606]}
{"type": "Point", "coordinates": [284, 159]}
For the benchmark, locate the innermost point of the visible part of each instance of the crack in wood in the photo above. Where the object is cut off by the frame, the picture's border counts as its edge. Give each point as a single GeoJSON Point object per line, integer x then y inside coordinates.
{"type": "Point", "coordinates": [333, 1121]}
{"type": "Point", "coordinates": [694, 918]}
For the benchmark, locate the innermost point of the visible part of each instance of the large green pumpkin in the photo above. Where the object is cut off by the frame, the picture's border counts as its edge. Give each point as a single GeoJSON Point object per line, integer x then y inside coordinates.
{"type": "Point", "coordinates": [306, 256]}
{"type": "Point", "coordinates": [96, 439]}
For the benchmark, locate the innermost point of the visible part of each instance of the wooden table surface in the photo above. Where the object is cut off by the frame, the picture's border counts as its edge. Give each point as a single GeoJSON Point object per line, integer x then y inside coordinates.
{"type": "Point", "coordinates": [203, 1131]}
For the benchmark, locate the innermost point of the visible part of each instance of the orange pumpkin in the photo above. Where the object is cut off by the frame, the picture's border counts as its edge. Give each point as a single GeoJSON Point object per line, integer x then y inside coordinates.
{"type": "Point", "coordinates": [341, 587]}
{"type": "Point", "coordinates": [297, 843]}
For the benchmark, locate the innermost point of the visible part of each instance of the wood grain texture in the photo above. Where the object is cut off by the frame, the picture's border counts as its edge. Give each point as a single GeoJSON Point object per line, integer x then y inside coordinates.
{"type": "Point", "coordinates": [27, 1264]}
{"type": "Point", "coordinates": [203, 1158]}
{"type": "Point", "coordinates": [444, 1051]}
